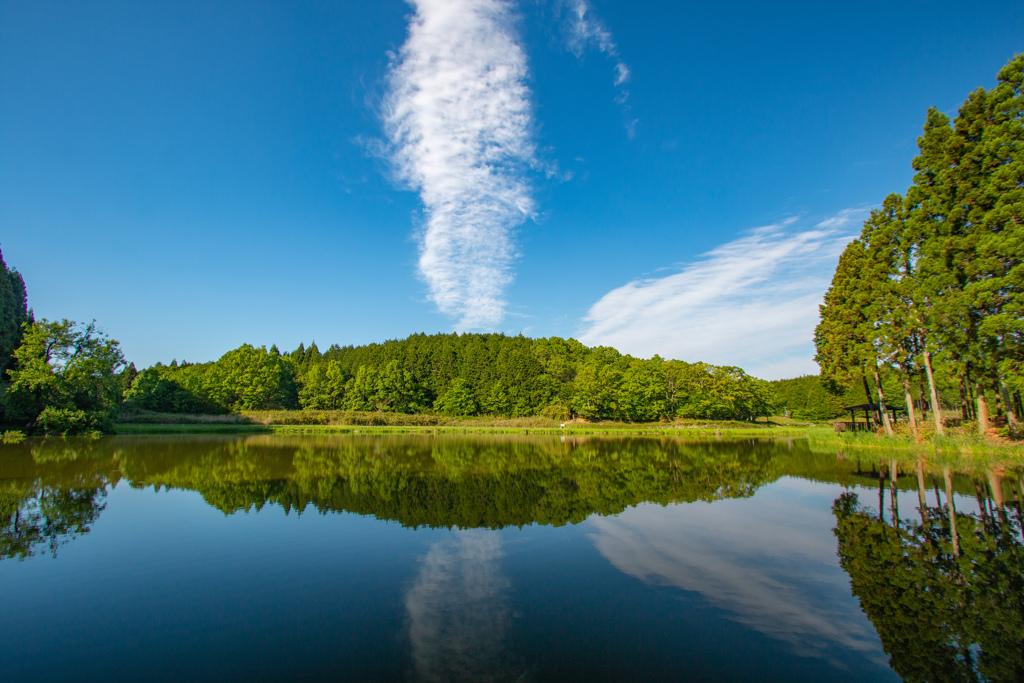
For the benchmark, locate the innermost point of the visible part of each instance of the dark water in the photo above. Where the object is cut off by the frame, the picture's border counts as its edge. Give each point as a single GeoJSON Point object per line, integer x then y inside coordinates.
{"type": "Point", "coordinates": [500, 558]}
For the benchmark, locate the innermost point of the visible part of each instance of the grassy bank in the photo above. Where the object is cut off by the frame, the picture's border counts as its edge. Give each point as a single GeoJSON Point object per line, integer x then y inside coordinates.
{"type": "Point", "coordinates": [959, 451]}
{"type": "Point", "coordinates": [347, 422]}
{"type": "Point", "coordinates": [574, 430]}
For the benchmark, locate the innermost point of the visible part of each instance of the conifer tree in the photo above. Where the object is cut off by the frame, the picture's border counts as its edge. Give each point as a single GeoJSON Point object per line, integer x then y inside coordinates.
{"type": "Point", "coordinates": [14, 313]}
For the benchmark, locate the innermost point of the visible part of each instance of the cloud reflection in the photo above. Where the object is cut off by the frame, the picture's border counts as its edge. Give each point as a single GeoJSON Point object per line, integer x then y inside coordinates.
{"type": "Point", "coordinates": [772, 566]}
{"type": "Point", "coordinates": [458, 612]}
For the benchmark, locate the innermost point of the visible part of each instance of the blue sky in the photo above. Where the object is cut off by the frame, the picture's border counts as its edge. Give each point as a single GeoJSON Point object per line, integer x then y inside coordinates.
{"type": "Point", "coordinates": [672, 178]}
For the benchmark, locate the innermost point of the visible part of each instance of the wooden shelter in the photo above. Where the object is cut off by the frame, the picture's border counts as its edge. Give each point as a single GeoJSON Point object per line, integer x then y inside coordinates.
{"type": "Point", "coordinates": [872, 416]}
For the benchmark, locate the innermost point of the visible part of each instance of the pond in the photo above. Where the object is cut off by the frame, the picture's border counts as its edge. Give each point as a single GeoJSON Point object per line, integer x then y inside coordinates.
{"type": "Point", "coordinates": [418, 557]}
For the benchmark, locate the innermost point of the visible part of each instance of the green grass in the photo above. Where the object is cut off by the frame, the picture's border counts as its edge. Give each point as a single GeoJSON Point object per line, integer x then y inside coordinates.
{"type": "Point", "coordinates": [958, 450]}
{"type": "Point", "coordinates": [575, 430]}
{"type": "Point", "coordinates": [346, 422]}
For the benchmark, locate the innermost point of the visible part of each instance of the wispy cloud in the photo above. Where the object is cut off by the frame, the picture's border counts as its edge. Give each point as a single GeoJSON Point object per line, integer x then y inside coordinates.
{"type": "Point", "coordinates": [752, 302]}
{"type": "Point", "coordinates": [584, 31]}
{"type": "Point", "coordinates": [458, 118]}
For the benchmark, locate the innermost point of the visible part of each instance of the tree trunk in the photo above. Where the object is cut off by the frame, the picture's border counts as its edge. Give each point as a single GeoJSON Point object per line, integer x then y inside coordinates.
{"type": "Point", "coordinates": [965, 412]}
{"type": "Point", "coordinates": [867, 389]}
{"type": "Point", "coordinates": [936, 406]}
{"type": "Point", "coordinates": [952, 510]}
{"type": "Point", "coordinates": [881, 404]}
{"type": "Point", "coordinates": [1011, 415]}
{"type": "Point", "coordinates": [970, 392]}
{"type": "Point", "coordinates": [1020, 503]}
{"type": "Point", "coordinates": [893, 491]}
{"type": "Point", "coordinates": [909, 398]}
{"type": "Point", "coordinates": [982, 409]}
{"type": "Point", "coordinates": [995, 483]}
{"type": "Point", "coordinates": [881, 492]}
{"type": "Point", "coordinates": [922, 501]}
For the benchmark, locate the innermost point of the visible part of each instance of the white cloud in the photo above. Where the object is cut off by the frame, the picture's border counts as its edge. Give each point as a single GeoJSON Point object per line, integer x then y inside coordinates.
{"type": "Point", "coordinates": [740, 555]}
{"type": "Point", "coordinates": [584, 30]}
{"type": "Point", "coordinates": [458, 118]}
{"type": "Point", "coordinates": [752, 302]}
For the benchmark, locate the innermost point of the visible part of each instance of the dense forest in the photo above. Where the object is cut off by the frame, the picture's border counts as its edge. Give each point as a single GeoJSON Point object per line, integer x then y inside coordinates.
{"type": "Point", "coordinates": [933, 289]}
{"type": "Point", "coordinates": [456, 374]}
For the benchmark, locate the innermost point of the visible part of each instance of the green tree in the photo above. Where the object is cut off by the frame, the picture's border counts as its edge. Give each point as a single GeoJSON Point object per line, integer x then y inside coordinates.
{"type": "Point", "coordinates": [323, 387]}
{"type": "Point", "coordinates": [845, 338]}
{"type": "Point", "coordinates": [251, 379]}
{"type": "Point", "coordinates": [66, 380]}
{"type": "Point", "coordinates": [457, 400]}
{"type": "Point", "coordinates": [397, 390]}
{"type": "Point", "coordinates": [642, 390]}
{"type": "Point", "coordinates": [14, 313]}
{"type": "Point", "coordinates": [969, 205]}
{"type": "Point", "coordinates": [596, 386]}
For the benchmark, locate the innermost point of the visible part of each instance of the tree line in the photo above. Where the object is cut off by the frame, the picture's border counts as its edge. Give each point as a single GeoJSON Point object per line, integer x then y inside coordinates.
{"type": "Point", "coordinates": [932, 292]}
{"type": "Point", "coordinates": [458, 375]}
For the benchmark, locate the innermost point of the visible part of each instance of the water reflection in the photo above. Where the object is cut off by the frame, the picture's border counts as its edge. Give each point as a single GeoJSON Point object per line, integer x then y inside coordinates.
{"type": "Point", "coordinates": [769, 563]}
{"type": "Point", "coordinates": [745, 528]}
{"type": "Point", "coordinates": [50, 499]}
{"type": "Point", "coordinates": [464, 482]}
{"type": "Point", "coordinates": [40, 519]}
{"type": "Point", "coordinates": [945, 591]}
{"type": "Point", "coordinates": [458, 611]}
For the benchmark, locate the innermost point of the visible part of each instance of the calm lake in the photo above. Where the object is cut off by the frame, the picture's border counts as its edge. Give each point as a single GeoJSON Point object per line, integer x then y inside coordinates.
{"type": "Point", "coordinates": [501, 558]}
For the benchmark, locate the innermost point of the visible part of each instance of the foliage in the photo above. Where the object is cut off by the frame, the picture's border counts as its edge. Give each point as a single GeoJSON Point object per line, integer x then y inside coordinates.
{"type": "Point", "coordinates": [809, 398]}
{"type": "Point", "coordinates": [458, 375]}
{"type": "Point", "coordinates": [13, 436]}
{"type": "Point", "coordinates": [14, 313]}
{"type": "Point", "coordinates": [457, 400]}
{"type": "Point", "coordinates": [66, 379]}
{"type": "Point", "coordinates": [246, 378]}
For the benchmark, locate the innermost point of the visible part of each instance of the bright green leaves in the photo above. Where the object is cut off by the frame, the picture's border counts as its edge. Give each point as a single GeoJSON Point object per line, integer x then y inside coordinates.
{"type": "Point", "coordinates": [323, 387]}
{"type": "Point", "coordinates": [247, 378]}
{"type": "Point", "coordinates": [457, 400]}
{"type": "Point", "coordinates": [66, 380]}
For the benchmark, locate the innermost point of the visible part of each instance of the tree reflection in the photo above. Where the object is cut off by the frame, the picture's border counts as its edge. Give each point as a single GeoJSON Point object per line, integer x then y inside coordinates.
{"type": "Point", "coordinates": [40, 519]}
{"type": "Point", "coordinates": [54, 489]}
{"type": "Point", "coordinates": [946, 593]}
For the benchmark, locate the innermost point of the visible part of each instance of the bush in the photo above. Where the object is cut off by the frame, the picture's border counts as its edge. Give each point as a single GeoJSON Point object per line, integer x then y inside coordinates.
{"type": "Point", "coordinates": [66, 421]}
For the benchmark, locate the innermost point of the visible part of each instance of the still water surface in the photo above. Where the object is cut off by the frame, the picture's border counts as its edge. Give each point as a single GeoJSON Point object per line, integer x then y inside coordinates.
{"type": "Point", "coordinates": [500, 558]}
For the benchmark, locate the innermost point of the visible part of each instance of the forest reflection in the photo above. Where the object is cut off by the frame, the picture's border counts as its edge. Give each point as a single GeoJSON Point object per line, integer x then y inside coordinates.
{"type": "Point", "coordinates": [945, 591]}
{"type": "Point", "coordinates": [53, 489]}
